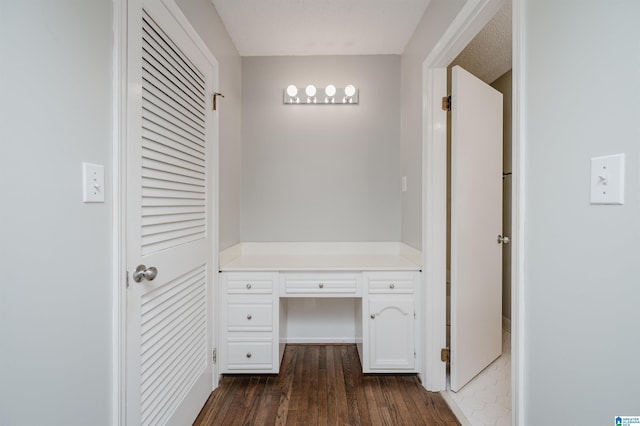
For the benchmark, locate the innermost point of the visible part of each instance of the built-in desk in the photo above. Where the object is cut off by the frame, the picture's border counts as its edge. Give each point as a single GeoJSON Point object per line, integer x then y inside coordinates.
{"type": "Point", "coordinates": [380, 281]}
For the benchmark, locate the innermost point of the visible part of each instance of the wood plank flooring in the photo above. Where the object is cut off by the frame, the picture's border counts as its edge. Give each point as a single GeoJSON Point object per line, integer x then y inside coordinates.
{"type": "Point", "coordinates": [323, 385]}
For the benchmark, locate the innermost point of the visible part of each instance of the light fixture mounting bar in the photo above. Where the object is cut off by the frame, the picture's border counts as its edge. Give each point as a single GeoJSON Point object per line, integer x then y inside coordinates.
{"type": "Point", "coordinates": [310, 95]}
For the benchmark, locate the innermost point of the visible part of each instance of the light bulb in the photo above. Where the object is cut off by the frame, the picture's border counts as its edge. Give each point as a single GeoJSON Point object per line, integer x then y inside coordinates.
{"type": "Point", "coordinates": [350, 90]}
{"type": "Point", "coordinates": [330, 90]}
{"type": "Point", "coordinates": [292, 90]}
{"type": "Point", "coordinates": [310, 90]}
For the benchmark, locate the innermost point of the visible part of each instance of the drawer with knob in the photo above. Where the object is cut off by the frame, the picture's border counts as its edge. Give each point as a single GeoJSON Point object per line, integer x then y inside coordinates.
{"type": "Point", "coordinates": [250, 316]}
{"type": "Point", "coordinates": [249, 284]}
{"type": "Point", "coordinates": [320, 285]}
{"type": "Point", "coordinates": [252, 353]}
{"type": "Point", "coordinates": [398, 283]}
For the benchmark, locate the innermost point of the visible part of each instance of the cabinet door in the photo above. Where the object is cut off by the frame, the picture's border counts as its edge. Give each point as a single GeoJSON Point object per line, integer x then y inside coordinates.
{"type": "Point", "coordinates": [391, 338]}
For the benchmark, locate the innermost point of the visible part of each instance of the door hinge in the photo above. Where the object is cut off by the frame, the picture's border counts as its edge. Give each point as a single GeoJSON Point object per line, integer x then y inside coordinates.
{"type": "Point", "coordinates": [414, 315]}
{"type": "Point", "coordinates": [215, 356]}
{"type": "Point", "coordinates": [445, 355]}
{"type": "Point", "coordinates": [414, 354]}
{"type": "Point", "coordinates": [446, 103]}
{"type": "Point", "coordinates": [127, 278]}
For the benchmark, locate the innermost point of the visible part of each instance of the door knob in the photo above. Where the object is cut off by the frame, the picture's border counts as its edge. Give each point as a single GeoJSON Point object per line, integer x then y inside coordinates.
{"type": "Point", "coordinates": [503, 240]}
{"type": "Point", "coordinates": [144, 273]}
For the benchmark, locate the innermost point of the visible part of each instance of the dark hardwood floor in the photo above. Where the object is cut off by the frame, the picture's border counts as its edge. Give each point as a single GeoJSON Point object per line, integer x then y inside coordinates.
{"type": "Point", "coordinates": [323, 385]}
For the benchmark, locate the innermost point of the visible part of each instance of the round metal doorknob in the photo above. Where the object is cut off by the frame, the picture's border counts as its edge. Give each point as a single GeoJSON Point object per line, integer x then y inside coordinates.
{"type": "Point", "coordinates": [503, 240]}
{"type": "Point", "coordinates": [144, 273]}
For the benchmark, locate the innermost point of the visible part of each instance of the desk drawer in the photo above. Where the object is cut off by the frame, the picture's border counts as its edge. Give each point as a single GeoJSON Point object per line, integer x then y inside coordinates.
{"type": "Point", "coordinates": [320, 285]}
{"type": "Point", "coordinates": [254, 353]}
{"type": "Point", "coordinates": [386, 283]}
{"type": "Point", "coordinates": [250, 316]}
{"type": "Point", "coordinates": [249, 283]}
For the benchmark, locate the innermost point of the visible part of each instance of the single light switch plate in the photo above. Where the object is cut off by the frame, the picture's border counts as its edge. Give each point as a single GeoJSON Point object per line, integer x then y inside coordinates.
{"type": "Point", "coordinates": [607, 179]}
{"type": "Point", "coordinates": [92, 183]}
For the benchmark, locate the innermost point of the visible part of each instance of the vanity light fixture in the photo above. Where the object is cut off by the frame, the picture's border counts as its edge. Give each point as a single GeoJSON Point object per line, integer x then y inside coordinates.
{"type": "Point", "coordinates": [330, 94]}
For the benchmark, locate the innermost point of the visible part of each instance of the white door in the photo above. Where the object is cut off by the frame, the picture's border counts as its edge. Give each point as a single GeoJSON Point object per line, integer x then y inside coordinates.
{"type": "Point", "coordinates": [476, 223]}
{"type": "Point", "coordinates": [170, 208]}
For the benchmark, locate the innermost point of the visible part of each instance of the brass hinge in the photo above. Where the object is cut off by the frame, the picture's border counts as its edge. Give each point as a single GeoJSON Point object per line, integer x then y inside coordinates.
{"type": "Point", "coordinates": [445, 355]}
{"type": "Point", "coordinates": [446, 103]}
{"type": "Point", "coordinates": [215, 356]}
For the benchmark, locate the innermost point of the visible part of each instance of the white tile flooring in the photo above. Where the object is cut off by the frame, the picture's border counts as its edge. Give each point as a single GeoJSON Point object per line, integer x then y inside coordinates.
{"type": "Point", "coordinates": [486, 400]}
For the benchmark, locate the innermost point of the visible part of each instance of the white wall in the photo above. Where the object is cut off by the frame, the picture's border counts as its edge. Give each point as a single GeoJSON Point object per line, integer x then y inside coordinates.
{"type": "Point", "coordinates": [582, 269]}
{"type": "Point", "coordinates": [435, 21]}
{"type": "Point", "coordinates": [206, 21]}
{"type": "Point", "coordinates": [55, 251]}
{"type": "Point", "coordinates": [321, 172]}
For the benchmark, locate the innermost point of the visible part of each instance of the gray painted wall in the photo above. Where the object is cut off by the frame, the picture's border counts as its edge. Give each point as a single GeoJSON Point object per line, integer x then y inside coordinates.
{"type": "Point", "coordinates": [581, 290]}
{"type": "Point", "coordinates": [435, 21]}
{"type": "Point", "coordinates": [321, 173]}
{"type": "Point", "coordinates": [205, 19]}
{"type": "Point", "coordinates": [55, 252]}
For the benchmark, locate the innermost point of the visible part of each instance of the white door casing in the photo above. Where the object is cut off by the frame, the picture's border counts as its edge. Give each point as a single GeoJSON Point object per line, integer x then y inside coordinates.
{"type": "Point", "coordinates": [476, 223]}
{"type": "Point", "coordinates": [171, 192]}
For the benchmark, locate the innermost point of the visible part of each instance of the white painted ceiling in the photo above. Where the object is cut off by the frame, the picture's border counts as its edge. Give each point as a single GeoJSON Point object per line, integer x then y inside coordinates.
{"type": "Point", "coordinates": [320, 27]}
{"type": "Point", "coordinates": [354, 27]}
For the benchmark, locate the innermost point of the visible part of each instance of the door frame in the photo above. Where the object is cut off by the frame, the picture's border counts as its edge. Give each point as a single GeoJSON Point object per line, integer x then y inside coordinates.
{"type": "Point", "coordinates": [118, 180]}
{"type": "Point", "coordinates": [471, 19]}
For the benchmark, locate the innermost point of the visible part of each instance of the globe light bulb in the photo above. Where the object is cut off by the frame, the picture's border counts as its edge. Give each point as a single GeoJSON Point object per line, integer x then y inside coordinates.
{"type": "Point", "coordinates": [330, 90]}
{"type": "Point", "coordinates": [310, 90]}
{"type": "Point", "coordinates": [292, 90]}
{"type": "Point", "coordinates": [350, 90]}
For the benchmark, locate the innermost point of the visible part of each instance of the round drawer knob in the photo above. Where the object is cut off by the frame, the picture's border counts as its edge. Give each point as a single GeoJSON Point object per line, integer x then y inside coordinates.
{"type": "Point", "coordinates": [373, 316]}
{"type": "Point", "coordinates": [249, 285]}
{"type": "Point", "coordinates": [249, 316]}
{"type": "Point", "coordinates": [248, 354]}
{"type": "Point", "coordinates": [392, 286]}
{"type": "Point", "coordinates": [321, 285]}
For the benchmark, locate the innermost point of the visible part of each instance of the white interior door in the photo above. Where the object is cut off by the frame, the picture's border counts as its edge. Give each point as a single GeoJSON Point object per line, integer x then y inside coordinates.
{"type": "Point", "coordinates": [170, 222]}
{"type": "Point", "coordinates": [476, 223]}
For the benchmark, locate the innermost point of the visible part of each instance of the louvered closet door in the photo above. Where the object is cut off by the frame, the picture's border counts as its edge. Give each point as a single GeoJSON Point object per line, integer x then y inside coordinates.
{"type": "Point", "coordinates": [170, 183]}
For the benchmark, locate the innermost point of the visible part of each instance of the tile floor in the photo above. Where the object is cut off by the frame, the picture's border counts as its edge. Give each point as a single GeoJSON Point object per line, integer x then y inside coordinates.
{"type": "Point", "coordinates": [486, 400]}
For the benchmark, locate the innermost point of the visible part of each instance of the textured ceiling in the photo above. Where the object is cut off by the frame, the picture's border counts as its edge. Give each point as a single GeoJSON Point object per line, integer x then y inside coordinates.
{"type": "Point", "coordinates": [320, 27]}
{"type": "Point", "coordinates": [488, 55]}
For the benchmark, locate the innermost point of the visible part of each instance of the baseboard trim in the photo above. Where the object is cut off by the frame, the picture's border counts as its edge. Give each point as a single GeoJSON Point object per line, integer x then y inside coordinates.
{"type": "Point", "coordinates": [321, 340]}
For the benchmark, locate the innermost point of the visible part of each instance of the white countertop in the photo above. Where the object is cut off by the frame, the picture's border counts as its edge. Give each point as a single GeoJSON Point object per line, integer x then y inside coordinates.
{"type": "Point", "coordinates": [301, 258]}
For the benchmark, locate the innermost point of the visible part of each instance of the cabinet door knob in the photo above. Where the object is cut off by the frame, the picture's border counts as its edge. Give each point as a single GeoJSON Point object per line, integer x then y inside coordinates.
{"type": "Point", "coordinates": [321, 285]}
{"type": "Point", "coordinates": [392, 286]}
{"type": "Point", "coordinates": [249, 285]}
{"type": "Point", "coordinates": [373, 316]}
{"type": "Point", "coordinates": [249, 316]}
{"type": "Point", "coordinates": [248, 354]}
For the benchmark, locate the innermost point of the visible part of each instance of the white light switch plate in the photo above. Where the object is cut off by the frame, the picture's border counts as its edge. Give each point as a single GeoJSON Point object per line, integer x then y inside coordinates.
{"type": "Point", "coordinates": [92, 183]}
{"type": "Point", "coordinates": [607, 179]}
